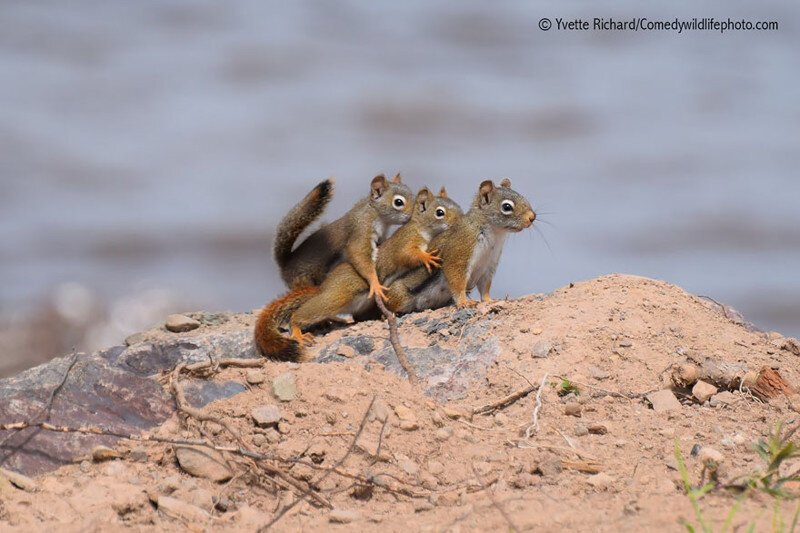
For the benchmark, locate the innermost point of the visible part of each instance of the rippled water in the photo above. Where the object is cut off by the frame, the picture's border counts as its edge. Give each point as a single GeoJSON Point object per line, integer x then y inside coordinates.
{"type": "Point", "coordinates": [157, 144]}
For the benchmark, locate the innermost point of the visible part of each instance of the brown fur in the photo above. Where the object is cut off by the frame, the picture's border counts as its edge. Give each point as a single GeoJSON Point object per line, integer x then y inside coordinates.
{"type": "Point", "coordinates": [456, 246]}
{"type": "Point", "coordinates": [293, 224]}
{"type": "Point", "coordinates": [344, 290]}
{"type": "Point", "coordinates": [349, 238]}
{"type": "Point", "coordinates": [268, 338]}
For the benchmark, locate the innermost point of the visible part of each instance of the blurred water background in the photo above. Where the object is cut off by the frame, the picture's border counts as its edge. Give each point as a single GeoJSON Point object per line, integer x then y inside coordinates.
{"type": "Point", "coordinates": [148, 149]}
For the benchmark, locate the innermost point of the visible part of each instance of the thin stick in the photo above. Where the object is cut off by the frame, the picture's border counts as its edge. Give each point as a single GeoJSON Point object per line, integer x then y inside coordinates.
{"type": "Point", "coordinates": [496, 504]}
{"type": "Point", "coordinates": [324, 476]}
{"type": "Point", "coordinates": [201, 416]}
{"type": "Point", "coordinates": [503, 402]}
{"type": "Point", "coordinates": [535, 423]}
{"type": "Point", "coordinates": [394, 338]}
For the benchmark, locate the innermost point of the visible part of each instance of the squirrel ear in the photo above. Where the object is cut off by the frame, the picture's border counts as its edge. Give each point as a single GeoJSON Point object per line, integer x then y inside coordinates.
{"type": "Point", "coordinates": [505, 183]}
{"type": "Point", "coordinates": [484, 191]}
{"type": "Point", "coordinates": [397, 178]}
{"type": "Point", "coordinates": [423, 198]}
{"type": "Point", "coordinates": [443, 193]}
{"type": "Point", "coordinates": [378, 185]}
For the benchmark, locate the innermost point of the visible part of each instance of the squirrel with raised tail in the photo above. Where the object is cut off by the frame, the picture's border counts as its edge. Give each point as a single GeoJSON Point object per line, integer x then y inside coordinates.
{"type": "Point", "coordinates": [470, 252]}
{"type": "Point", "coordinates": [353, 238]}
{"type": "Point", "coordinates": [344, 290]}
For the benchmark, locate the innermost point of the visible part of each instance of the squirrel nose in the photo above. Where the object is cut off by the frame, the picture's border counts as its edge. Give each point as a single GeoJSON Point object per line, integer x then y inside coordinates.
{"type": "Point", "coordinates": [530, 217]}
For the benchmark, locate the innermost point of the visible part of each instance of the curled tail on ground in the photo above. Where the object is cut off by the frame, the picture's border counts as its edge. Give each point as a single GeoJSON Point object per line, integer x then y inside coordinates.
{"type": "Point", "coordinates": [269, 341]}
{"type": "Point", "coordinates": [299, 218]}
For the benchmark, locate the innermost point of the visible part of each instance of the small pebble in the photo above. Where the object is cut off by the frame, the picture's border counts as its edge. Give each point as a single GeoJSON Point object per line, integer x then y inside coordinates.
{"type": "Point", "coordinates": [598, 429]}
{"type": "Point", "coordinates": [542, 349]}
{"type": "Point", "coordinates": [138, 455]}
{"type": "Point", "coordinates": [180, 323]}
{"type": "Point", "coordinates": [284, 387]}
{"type": "Point", "coordinates": [345, 350]}
{"type": "Point", "coordinates": [254, 377]}
{"type": "Point", "coordinates": [442, 434]}
{"type": "Point", "coordinates": [343, 516]}
{"type": "Point", "coordinates": [266, 415]}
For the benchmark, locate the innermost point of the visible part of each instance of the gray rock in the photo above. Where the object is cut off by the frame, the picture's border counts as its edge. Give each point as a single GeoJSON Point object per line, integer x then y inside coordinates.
{"type": "Point", "coordinates": [96, 393]}
{"type": "Point", "coordinates": [362, 344]}
{"type": "Point", "coordinates": [284, 387]}
{"type": "Point", "coordinates": [664, 401]}
{"type": "Point", "coordinates": [448, 374]}
{"type": "Point", "coordinates": [180, 323]}
{"type": "Point", "coordinates": [201, 392]}
{"type": "Point", "coordinates": [542, 348]}
{"type": "Point", "coordinates": [203, 462]}
{"type": "Point", "coordinates": [436, 326]}
{"type": "Point", "coordinates": [266, 415]}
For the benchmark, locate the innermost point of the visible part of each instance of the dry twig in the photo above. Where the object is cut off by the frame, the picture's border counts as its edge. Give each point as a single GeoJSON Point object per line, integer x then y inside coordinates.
{"type": "Point", "coordinates": [503, 402]}
{"type": "Point", "coordinates": [537, 407]}
{"type": "Point", "coordinates": [201, 416]}
{"type": "Point", "coordinates": [394, 338]}
{"type": "Point", "coordinates": [324, 476]}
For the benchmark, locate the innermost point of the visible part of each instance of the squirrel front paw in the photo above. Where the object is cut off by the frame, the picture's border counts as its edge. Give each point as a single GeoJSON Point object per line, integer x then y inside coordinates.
{"type": "Point", "coordinates": [430, 259]}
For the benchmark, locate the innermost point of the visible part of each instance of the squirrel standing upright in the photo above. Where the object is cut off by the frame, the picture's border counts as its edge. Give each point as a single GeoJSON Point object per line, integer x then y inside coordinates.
{"type": "Point", "coordinates": [470, 251]}
{"type": "Point", "coordinates": [344, 290]}
{"type": "Point", "coordinates": [354, 237]}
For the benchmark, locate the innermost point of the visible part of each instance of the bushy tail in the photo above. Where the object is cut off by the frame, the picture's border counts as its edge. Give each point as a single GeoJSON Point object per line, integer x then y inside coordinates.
{"type": "Point", "coordinates": [299, 218]}
{"type": "Point", "coordinates": [269, 341]}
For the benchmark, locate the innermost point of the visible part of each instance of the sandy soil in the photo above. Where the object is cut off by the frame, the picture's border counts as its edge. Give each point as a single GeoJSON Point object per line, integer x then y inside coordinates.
{"type": "Point", "coordinates": [615, 334]}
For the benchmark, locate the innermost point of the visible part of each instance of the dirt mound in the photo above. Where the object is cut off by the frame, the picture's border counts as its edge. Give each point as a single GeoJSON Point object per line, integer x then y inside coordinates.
{"type": "Point", "coordinates": [363, 447]}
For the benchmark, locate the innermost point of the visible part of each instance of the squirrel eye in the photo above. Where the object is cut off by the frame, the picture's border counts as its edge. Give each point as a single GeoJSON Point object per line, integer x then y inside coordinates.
{"type": "Point", "coordinates": [507, 207]}
{"type": "Point", "coordinates": [440, 212]}
{"type": "Point", "coordinates": [399, 202]}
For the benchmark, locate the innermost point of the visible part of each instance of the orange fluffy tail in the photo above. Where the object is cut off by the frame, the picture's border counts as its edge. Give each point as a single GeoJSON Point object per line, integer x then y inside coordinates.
{"type": "Point", "coordinates": [269, 341]}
